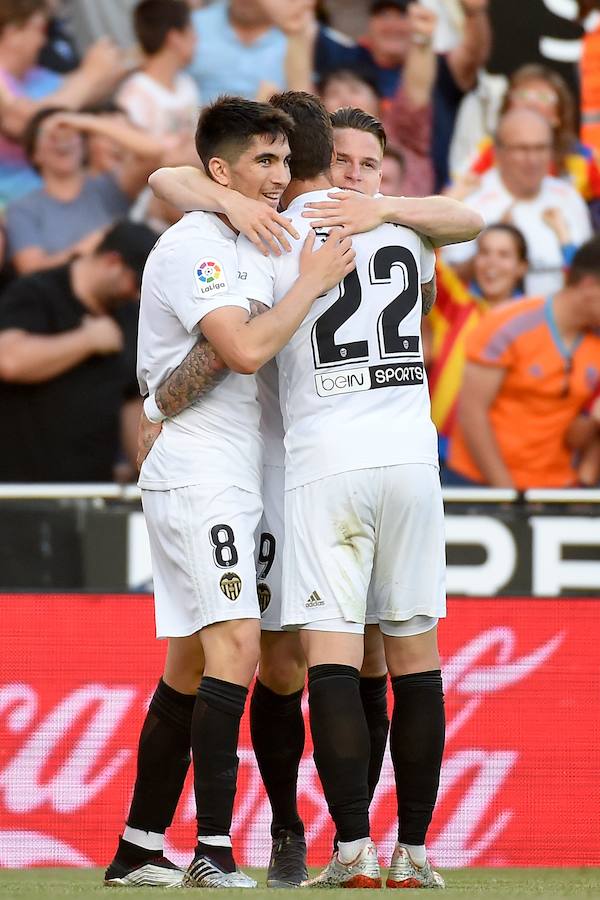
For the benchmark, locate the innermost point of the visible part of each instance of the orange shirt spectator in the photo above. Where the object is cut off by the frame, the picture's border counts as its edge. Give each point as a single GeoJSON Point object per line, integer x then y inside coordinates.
{"type": "Point", "coordinates": [542, 387]}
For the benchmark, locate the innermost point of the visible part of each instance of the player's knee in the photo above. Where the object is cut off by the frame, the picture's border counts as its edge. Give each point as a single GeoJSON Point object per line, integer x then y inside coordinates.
{"type": "Point", "coordinates": [282, 665]}
{"type": "Point", "coordinates": [284, 675]}
{"type": "Point", "coordinates": [232, 650]}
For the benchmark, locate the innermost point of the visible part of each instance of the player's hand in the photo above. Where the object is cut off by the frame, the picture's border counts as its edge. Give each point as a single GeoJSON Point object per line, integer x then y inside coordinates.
{"type": "Point", "coordinates": [329, 265]}
{"type": "Point", "coordinates": [353, 213]}
{"type": "Point", "coordinates": [265, 227]}
{"type": "Point", "coordinates": [147, 433]}
{"type": "Point", "coordinates": [103, 334]}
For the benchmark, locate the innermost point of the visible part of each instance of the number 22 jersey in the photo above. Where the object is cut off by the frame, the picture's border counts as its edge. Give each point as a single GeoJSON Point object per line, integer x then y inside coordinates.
{"type": "Point", "coordinates": [353, 388]}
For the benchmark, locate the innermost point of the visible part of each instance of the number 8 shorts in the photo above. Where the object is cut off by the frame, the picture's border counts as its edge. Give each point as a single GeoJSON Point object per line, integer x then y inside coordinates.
{"type": "Point", "coordinates": [375, 534]}
{"type": "Point", "coordinates": [202, 549]}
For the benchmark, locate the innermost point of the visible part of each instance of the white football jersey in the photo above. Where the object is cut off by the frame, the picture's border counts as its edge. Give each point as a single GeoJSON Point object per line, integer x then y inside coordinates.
{"type": "Point", "coordinates": [352, 380]}
{"type": "Point", "coordinates": [192, 271]}
{"type": "Point", "coordinates": [271, 422]}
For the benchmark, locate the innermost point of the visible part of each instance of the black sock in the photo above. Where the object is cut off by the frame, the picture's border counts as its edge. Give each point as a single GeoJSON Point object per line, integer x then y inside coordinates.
{"type": "Point", "coordinates": [341, 746]}
{"type": "Point", "coordinates": [222, 856]}
{"type": "Point", "coordinates": [163, 760]}
{"type": "Point", "coordinates": [417, 745]}
{"type": "Point", "coordinates": [277, 729]}
{"type": "Point", "coordinates": [373, 693]}
{"type": "Point", "coordinates": [215, 731]}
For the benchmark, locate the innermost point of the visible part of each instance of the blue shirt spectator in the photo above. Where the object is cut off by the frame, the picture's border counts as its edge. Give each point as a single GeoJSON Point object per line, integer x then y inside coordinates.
{"type": "Point", "coordinates": [225, 63]}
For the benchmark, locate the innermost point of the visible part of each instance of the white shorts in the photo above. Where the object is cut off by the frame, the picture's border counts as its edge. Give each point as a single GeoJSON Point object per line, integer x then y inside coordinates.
{"type": "Point", "coordinates": [202, 549]}
{"type": "Point", "coordinates": [269, 543]}
{"type": "Point", "coordinates": [369, 534]}
{"type": "Point", "coordinates": [408, 628]}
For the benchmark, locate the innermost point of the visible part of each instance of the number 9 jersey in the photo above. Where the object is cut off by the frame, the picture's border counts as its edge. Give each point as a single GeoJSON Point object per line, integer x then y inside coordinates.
{"type": "Point", "coordinates": [353, 386]}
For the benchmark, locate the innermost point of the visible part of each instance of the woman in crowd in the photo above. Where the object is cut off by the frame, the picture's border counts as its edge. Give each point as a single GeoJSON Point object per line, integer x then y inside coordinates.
{"type": "Point", "coordinates": [500, 265]}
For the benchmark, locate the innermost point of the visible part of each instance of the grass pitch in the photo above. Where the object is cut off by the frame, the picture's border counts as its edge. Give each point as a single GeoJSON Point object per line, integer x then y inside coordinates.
{"type": "Point", "coordinates": [494, 884]}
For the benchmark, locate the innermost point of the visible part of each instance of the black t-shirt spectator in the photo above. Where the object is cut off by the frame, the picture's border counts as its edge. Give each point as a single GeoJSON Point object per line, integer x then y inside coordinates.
{"type": "Point", "coordinates": [65, 429]}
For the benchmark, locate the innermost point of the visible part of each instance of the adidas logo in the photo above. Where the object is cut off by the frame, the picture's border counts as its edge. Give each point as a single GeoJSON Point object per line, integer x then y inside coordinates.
{"type": "Point", "coordinates": [314, 600]}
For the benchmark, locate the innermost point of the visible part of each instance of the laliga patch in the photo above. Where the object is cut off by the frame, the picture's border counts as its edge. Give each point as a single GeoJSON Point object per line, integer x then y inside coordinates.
{"type": "Point", "coordinates": [210, 276]}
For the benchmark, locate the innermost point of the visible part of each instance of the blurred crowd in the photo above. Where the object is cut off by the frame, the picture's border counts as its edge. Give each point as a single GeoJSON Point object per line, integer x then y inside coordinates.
{"type": "Point", "coordinates": [94, 96]}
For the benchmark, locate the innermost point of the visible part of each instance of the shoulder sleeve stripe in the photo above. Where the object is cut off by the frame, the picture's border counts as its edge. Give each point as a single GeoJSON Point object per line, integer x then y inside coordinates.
{"type": "Point", "coordinates": [509, 331]}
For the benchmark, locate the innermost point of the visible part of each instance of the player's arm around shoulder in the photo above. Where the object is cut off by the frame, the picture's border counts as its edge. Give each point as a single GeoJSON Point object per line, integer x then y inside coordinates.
{"type": "Point", "coordinates": [245, 344]}
{"type": "Point", "coordinates": [442, 220]}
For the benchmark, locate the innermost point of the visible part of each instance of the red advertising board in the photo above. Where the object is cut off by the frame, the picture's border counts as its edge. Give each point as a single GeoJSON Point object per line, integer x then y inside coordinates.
{"type": "Point", "coordinates": [521, 776]}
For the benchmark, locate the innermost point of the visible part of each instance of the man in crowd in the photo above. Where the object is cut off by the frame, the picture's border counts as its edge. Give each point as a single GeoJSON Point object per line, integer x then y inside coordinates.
{"type": "Point", "coordinates": [67, 363]}
{"type": "Point", "coordinates": [518, 189]}
{"type": "Point", "coordinates": [532, 368]}
{"type": "Point", "coordinates": [201, 495]}
{"type": "Point", "coordinates": [239, 49]}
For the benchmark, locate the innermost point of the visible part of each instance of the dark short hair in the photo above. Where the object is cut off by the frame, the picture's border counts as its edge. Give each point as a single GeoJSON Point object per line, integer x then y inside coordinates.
{"type": "Point", "coordinates": [516, 235]}
{"type": "Point", "coordinates": [133, 241]}
{"type": "Point", "coordinates": [359, 120]}
{"type": "Point", "coordinates": [32, 130]}
{"type": "Point", "coordinates": [586, 261]}
{"type": "Point", "coordinates": [311, 142]}
{"type": "Point", "coordinates": [154, 19]}
{"type": "Point", "coordinates": [228, 125]}
{"type": "Point", "coordinates": [17, 12]}
{"type": "Point", "coordinates": [380, 5]}
{"type": "Point", "coordinates": [362, 73]}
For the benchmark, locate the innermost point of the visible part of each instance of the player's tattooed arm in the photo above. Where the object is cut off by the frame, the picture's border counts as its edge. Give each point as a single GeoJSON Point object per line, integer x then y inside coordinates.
{"type": "Point", "coordinates": [196, 376]}
{"type": "Point", "coordinates": [428, 294]}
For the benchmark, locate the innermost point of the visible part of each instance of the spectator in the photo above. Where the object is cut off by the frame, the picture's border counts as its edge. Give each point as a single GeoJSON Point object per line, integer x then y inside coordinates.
{"type": "Point", "coordinates": [499, 265]}
{"type": "Point", "coordinates": [383, 50]}
{"type": "Point", "coordinates": [67, 363]}
{"type": "Point", "coordinates": [519, 189]}
{"type": "Point", "coordinates": [532, 368]}
{"type": "Point", "coordinates": [73, 208]}
{"type": "Point", "coordinates": [544, 91]}
{"type": "Point", "coordinates": [161, 98]}
{"type": "Point", "coordinates": [239, 50]}
{"type": "Point", "coordinates": [26, 88]}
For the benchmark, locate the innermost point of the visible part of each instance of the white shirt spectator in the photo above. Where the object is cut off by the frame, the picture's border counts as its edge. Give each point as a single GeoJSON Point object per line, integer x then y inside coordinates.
{"type": "Point", "coordinates": [157, 109]}
{"type": "Point", "coordinates": [493, 201]}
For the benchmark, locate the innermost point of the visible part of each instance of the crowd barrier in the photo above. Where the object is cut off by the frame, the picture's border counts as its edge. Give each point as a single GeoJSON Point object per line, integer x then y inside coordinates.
{"type": "Point", "coordinates": [521, 776]}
